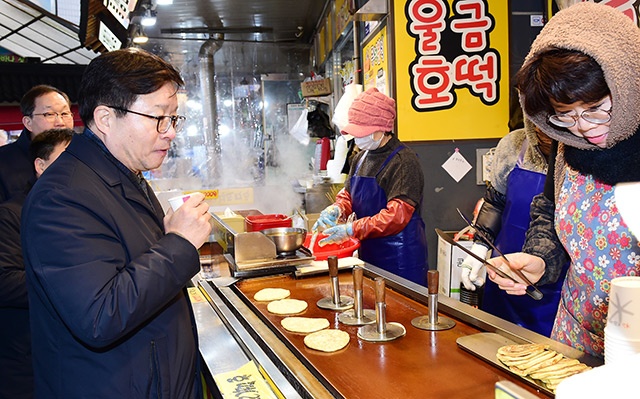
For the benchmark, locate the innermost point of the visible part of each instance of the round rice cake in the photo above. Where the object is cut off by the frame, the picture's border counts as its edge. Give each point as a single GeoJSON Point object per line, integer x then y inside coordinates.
{"type": "Point", "coordinates": [304, 325]}
{"type": "Point", "coordinates": [287, 306]}
{"type": "Point", "coordinates": [271, 294]}
{"type": "Point", "coordinates": [327, 340]}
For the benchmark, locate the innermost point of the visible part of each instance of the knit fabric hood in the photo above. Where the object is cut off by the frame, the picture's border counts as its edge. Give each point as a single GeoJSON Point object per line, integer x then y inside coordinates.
{"type": "Point", "coordinates": [613, 40]}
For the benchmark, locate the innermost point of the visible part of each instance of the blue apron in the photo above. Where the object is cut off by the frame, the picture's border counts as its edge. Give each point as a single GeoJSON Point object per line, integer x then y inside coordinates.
{"type": "Point", "coordinates": [538, 316]}
{"type": "Point", "coordinates": [403, 254]}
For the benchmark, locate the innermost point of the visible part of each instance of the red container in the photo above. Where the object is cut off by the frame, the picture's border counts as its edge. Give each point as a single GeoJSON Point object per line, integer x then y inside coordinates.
{"type": "Point", "coordinates": [262, 222]}
{"type": "Point", "coordinates": [340, 250]}
{"type": "Point", "coordinates": [323, 153]}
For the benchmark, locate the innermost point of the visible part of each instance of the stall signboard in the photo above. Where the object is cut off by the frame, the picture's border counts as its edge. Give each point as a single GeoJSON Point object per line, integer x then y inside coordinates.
{"type": "Point", "coordinates": [375, 65]}
{"type": "Point", "coordinates": [225, 196]}
{"type": "Point", "coordinates": [328, 30]}
{"type": "Point", "coordinates": [321, 45]}
{"type": "Point", "coordinates": [451, 69]}
{"type": "Point", "coordinates": [343, 17]}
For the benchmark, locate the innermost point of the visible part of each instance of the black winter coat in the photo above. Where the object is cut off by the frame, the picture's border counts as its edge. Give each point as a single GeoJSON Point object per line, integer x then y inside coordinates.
{"type": "Point", "coordinates": [110, 316]}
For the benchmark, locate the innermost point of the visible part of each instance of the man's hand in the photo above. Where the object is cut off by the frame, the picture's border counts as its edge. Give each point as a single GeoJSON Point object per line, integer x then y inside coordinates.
{"type": "Point", "coordinates": [192, 220]}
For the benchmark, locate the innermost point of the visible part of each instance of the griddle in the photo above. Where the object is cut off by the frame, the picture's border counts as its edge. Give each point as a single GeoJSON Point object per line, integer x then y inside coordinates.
{"type": "Point", "coordinates": [420, 364]}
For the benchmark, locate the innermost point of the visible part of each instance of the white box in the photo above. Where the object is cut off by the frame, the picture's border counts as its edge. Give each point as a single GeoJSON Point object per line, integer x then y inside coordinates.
{"type": "Point", "coordinates": [449, 260]}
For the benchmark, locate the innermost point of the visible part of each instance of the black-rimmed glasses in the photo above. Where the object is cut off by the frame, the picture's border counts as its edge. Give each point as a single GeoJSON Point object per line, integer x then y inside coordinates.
{"type": "Point", "coordinates": [164, 122]}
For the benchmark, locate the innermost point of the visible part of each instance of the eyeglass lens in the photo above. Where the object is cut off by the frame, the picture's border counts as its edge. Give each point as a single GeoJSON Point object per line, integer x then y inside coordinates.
{"type": "Point", "coordinates": [51, 116]}
{"type": "Point", "coordinates": [165, 122]}
{"type": "Point", "coordinates": [598, 116]}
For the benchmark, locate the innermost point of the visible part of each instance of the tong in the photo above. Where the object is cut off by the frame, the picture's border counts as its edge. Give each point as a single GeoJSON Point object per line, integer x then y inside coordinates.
{"type": "Point", "coordinates": [532, 290]}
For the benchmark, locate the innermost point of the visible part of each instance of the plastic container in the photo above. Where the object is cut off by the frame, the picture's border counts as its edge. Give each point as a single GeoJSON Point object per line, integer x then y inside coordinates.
{"type": "Point", "coordinates": [236, 222]}
{"type": "Point", "coordinates": [262, 222]}
{"type": "Point", "coordinates": [342, 250]}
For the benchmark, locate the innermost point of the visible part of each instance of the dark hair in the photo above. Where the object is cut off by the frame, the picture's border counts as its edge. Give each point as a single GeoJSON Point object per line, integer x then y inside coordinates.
{"type": "Point", "coordinates": [28, 101]}
{"type": "Point", "coordinates": [43, 144]}
{"type": "Point", "coordinates": [565, 76]}
{"type": "Point", "coordinates": [118, 77]}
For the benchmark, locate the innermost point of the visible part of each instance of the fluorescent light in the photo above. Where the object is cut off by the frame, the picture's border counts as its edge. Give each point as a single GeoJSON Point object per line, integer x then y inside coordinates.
{"type": "Point", "coordinates": [164, 2]}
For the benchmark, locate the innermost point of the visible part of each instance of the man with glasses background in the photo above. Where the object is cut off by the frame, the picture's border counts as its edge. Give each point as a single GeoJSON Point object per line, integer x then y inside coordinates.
{"type": "Point", "coordinates": [106, 269]}
{"type": "Point", "coordinates": [43, 107]}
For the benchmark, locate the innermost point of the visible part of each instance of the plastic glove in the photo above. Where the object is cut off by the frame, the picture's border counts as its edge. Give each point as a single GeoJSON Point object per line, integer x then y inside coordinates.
{"type": "Point", "coordinates": [337, 234]}
{"type": "Point", "coordinates": [328, 218]}
{"type": "Point", "coordinates": [472, 269]}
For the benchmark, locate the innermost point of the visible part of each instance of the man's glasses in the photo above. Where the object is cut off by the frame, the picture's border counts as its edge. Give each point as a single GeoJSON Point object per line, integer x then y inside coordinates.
{"type": "Point", "coordinates": [52, 116]}
{"type": "Point", "coordinates": [164, 122]}
{"type": "Point", "coordinates": [597, 116]}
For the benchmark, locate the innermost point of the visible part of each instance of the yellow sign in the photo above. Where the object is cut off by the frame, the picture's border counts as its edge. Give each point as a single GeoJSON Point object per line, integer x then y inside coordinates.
{"type": "Point", "coordinates": [195, 295]}
{"type": "Point", "coordinates": [226, 196]}
{"type": "Point", "coordinates": [375, 62]}
{"type": "Point", "coordinates": [245, 382]}
{"type": "Point", "coordinates": [452, 69]}
{"type": "Point", "coordinates": [321, 44]}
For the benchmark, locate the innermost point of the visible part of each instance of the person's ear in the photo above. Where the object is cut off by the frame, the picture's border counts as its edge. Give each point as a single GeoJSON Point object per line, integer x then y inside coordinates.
{"type": "Point", "coordinates": [27, 122]}
{"type": "Point", "coordinates": [104, 118]}
{"type": "Point", "coordinates": [39, 165]}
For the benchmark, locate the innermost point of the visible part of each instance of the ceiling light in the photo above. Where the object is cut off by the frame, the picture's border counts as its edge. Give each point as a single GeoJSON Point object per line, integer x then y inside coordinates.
{"type": "Point", "coordinates": [148, 18]}
{"type": "Point", "coordinates": [140, 39]}
{"type": "Point", "coordinates": [164, 2]}
{"type": "Point", "coordinates": [138, 36]}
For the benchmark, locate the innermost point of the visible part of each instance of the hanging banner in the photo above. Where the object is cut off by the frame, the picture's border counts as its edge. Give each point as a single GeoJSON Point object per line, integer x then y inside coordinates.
{"type": "Point", "coordinates": [452, 71]}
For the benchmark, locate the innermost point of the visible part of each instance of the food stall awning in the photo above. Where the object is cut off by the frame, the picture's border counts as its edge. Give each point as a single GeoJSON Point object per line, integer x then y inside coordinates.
{"type": "Point", "coordinates": [30, 31]}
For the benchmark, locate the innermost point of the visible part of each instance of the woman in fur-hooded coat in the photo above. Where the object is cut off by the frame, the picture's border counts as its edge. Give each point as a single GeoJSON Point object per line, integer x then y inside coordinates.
{"type": "Point", "coordinates": [578, 218]}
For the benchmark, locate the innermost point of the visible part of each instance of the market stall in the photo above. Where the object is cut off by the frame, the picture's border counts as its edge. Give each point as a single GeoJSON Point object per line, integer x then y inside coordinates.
{"type": "Point", "coordinates": [454, 362]}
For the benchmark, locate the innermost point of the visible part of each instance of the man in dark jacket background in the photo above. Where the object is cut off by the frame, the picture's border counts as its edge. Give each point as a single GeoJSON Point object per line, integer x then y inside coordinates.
{"type": "Point", "coordinates": [106, 269]}
{"type": "Point", "coordinates": [43, 107]}
{"type": "Point", "coordinates": [16, 372]}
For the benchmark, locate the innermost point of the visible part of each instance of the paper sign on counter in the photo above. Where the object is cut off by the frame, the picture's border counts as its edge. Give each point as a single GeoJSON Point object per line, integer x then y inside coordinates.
{"type": "Point", "coordinates": [245, 382]}
{"type": "Point", "coordinates": [195, 295]}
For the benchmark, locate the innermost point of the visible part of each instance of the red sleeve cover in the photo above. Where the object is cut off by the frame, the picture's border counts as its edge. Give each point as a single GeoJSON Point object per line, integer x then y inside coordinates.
{"type": "Point", "coordinates": [389, 221]}
{"type": "Point", "coordinates": [343, 201]}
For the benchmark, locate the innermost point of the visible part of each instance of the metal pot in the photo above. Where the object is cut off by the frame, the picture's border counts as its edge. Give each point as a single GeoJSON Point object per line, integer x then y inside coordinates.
{"type": "Point", "coordinates": [287, 239]}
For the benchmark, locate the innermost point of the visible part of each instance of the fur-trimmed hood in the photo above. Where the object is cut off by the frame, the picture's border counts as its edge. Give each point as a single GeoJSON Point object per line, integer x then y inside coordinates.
{"type": "Point", "coordinates": [508, 151]}
{"type": "Point", "coordinates": [613, 40]}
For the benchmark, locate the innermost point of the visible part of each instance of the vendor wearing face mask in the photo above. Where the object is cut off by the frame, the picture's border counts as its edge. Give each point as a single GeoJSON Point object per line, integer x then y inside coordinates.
{"type": "Point", "coordinates": [384, 190]}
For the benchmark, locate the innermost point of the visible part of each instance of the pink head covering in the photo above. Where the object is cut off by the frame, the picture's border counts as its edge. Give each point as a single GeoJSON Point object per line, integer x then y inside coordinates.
{"type": "Point", "coordinates": [370, 112]}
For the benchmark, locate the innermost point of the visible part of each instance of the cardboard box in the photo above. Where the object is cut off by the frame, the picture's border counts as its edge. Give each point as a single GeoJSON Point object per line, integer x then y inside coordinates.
{"type": "Point", "coordinates": [315, 88]}
{"type": "Point", "coordinates": [449, 260]}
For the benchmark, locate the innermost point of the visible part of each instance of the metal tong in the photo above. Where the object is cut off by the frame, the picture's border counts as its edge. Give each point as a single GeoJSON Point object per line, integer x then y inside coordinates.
{"type": "Point", "coordinates": [532, 290]}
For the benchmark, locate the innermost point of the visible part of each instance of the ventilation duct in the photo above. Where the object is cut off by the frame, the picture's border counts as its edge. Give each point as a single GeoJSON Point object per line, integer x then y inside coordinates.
{"type": "Point", "coordinates": [210, 108]}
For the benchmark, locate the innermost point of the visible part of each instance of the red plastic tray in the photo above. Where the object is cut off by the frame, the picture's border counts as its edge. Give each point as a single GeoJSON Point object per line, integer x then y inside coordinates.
{"type": "Point", "coordinates": [262, 222]}
{"type": "Point", "coordinates": [340, 250]}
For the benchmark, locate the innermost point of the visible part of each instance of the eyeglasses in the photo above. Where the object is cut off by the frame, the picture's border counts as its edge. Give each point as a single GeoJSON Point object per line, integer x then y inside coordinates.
{"type": "Point", "coordinates": [164, 122]}
{"type": "Point", "coordinates": [52, 116]}
{"type": "Point", "coordinates": [597, 116]}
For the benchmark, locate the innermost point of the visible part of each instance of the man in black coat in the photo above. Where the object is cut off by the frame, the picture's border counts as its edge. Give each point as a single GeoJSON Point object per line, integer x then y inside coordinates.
{"type": "Point", "coordinates": [43, 107]}
{"type": "Point", "coordinates": [16, 372]}
{"type": "Point", "coordinates": [106, 268]}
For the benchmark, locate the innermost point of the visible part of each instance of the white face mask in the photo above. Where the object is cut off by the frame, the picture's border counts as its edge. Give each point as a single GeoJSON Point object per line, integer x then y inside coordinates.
{"type": "Point", "coordinates": [367, 142]}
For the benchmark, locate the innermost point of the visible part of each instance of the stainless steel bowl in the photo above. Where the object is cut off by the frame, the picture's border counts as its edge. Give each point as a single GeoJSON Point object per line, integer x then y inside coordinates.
{"type": "Point", "coordinates": [287, 239]}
